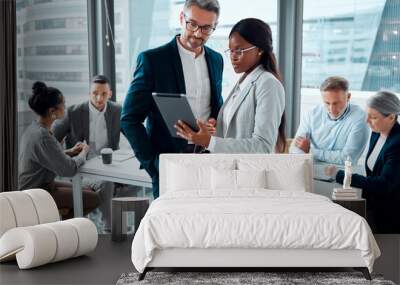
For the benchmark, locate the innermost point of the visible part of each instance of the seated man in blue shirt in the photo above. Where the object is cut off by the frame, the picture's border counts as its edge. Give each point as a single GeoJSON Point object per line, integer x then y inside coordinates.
{"type": "Point", "coordinates": [334, 130]}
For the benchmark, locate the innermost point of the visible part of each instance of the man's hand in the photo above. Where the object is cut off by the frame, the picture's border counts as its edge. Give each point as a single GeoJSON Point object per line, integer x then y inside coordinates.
{"type": "Point", "coordinates": [76, 149]}
{"type": "Point", "coordinates": [84, 150]}
{"type": "Point", "coordinates": [202, 137]}
{"type": "Point", "coordinates": [303, 144]}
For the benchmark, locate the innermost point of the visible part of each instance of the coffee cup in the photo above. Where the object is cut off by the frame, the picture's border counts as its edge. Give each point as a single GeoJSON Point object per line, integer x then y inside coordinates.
{"type": "Point", "coordinates": [106, 155]}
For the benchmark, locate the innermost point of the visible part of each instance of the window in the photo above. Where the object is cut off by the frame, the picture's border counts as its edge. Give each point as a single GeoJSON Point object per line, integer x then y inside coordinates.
{"type": "Point", "coordinates": [50, 24]}
{"type": "Point", "coordinates": [337, 51]}
{"type": "Point", "coordinates": [56, 76]}
{"type": "Point", "coordinates": [61, 23]}
{"type": "Point", "coordinates": [59, 58]}
{"type": "Point", "coordinates": [118, 48]}
{"type": "Point", "coordinates": [117, 19]}
{"type": "Point", "coordinates": [56, 50]}
{"type": "Point", "coordinates": [20, 4]}
{"type": "Point", "coordinates": [41, 1]}
{"type": "Point", "coordinates": [355, 39]}
{"type": "Point", "coordinates": [140, 25]}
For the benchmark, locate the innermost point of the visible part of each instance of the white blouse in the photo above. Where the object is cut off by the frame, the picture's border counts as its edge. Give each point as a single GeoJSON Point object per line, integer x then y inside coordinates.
{"type": "Point", "coordinates": [237, 89]}
{"type": "Point", "coordinates": [375, 152]}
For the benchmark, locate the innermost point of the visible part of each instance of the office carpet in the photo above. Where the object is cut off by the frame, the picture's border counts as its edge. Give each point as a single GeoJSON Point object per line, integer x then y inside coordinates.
{"type": "Point", "coordinates": [243, 278]}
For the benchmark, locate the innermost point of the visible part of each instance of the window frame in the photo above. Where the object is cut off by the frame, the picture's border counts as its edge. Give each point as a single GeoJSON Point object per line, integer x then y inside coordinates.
{"type": "Point", "coordinates": [101, 54]}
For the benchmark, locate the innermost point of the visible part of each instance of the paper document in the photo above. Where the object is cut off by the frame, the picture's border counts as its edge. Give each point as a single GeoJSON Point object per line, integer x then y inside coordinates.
{"type": "Point", "coordinates": [122, 156]}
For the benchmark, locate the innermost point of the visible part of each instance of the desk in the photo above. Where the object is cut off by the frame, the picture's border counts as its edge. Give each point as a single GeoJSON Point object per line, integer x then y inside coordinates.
{"type": "Point", "coordinates": [126, 172]}
{"type": "Point", "coordinates": [325, 188]}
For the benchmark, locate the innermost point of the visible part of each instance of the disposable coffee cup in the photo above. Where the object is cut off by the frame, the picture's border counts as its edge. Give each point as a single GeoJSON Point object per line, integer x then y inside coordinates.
{"type": "Point", "coordinates": [106, 155]}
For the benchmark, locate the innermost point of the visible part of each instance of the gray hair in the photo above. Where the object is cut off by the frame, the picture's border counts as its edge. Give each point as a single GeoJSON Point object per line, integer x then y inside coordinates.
{"type": "Point", "coordinates": [385, 102]}
{"type": "Point", "coordinates": [208, 5]}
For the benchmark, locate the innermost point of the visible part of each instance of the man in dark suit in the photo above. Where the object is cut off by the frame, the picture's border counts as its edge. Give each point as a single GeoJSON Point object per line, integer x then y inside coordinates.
{"type": "Point", "coordinates": [75, 126]}
{"type": "Point", "coordinates": [183, 65]}
{"type": "Point", "coordinates": [87, 122]}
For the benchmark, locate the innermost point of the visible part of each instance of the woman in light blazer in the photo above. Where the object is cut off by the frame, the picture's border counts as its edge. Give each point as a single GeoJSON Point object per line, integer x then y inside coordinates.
{"type": "Point", "coordinates": [252, 118]}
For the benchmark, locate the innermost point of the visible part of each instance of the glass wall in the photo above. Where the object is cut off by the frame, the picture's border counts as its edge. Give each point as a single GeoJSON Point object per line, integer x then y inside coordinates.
{"type": "Point", "coordinates": [140, 25]}
{"type": "Point", "coordinates": [52, 42]}
{"type": "Point", "coordinates": [356, 39]}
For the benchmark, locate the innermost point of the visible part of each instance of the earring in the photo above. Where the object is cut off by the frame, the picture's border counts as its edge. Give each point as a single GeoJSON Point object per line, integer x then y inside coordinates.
{"type": "Point", "coordinates": [260, 53]}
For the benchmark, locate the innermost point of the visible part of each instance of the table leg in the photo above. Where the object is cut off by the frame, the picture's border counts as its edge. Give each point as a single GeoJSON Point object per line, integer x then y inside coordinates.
{"type": "Point", "coordinates": [77, 195]}
{"type": "Point", "coordinates": [140, 211]}
{"type": "Point", "coordinates": [116, 221]}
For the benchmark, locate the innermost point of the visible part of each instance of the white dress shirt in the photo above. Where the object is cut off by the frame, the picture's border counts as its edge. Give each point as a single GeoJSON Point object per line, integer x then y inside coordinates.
{"type": "Point", "coordinates": [375, 152]}
{"type": "Point", "coordinates": [197, 82]}
{"type": "Point", "coordinates": [97, 130]}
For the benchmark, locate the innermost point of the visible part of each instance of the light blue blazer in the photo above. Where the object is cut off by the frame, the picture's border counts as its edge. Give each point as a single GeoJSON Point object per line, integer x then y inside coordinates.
{"type": "Point", "coordinates": [255, 117]}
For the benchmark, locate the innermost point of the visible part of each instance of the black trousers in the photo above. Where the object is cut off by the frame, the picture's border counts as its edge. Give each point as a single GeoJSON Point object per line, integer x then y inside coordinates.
{"type": "Point", "coordinates": [192, 148]}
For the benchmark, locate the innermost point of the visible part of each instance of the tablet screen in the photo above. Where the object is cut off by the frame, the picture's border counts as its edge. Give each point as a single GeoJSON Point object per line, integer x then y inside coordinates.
{"type": "Point", "coordinates": [174, 107]}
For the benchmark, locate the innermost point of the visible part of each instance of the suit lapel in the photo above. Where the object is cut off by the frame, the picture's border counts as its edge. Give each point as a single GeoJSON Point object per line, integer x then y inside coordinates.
{"type": "Point", "coordinates": [243, 94]}
{"type": "Point", "coordinates": [85, 122]}
{"type": "Point", "coordinates": [211, 74]}
{"type": "Point", "coordinates": [177, 64]}
{"type": "Point", "coordinates": [380, 158]}
{"type": "Point", "coordinates": [109, 122]}
{"type": "Point", "coordinates": [372, 143]}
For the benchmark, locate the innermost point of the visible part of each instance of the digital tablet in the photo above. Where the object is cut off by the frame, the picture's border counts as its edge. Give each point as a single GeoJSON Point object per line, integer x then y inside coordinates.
{"type": "Point", "coordinates": [174, 107]}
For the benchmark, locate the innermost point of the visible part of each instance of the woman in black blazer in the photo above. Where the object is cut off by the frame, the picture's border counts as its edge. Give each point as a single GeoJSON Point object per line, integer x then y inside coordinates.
{"type": "Point", "coordinates": [381, 186]}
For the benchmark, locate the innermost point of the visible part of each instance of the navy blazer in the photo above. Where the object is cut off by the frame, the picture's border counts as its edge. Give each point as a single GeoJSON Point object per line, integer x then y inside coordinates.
{"type": "Point", "coordinates": [381, 186]}
{"type": "Point", "coordinates": [160, 70]}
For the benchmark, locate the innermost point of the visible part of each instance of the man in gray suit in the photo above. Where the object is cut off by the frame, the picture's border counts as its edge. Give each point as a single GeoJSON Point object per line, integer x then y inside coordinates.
{"type": "Point", "coordinates": [87, 122]}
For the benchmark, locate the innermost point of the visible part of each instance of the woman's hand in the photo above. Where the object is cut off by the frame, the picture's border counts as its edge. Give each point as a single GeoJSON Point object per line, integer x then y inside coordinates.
{"type": "Point", "coordinates": [211, 126]}
{"type": "Point", "coordinates": [331, 171]}
{"type": "Point", "coordinates": [202, 137]}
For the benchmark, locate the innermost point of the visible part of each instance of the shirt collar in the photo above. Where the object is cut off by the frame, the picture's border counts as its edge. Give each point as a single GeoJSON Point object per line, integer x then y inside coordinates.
{"type": "Point", "coordinates": [96, 112]}
{"type": "Point", "coordinates": [187, 52]}
{"type": "Point", "coordinates": [242, 85]}
{"type": "Point", "coordinates": [346, 110]}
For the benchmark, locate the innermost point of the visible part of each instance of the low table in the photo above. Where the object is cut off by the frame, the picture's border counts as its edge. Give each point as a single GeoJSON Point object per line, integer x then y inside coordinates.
{"type": "Point", "coordinates": [139, 205]}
